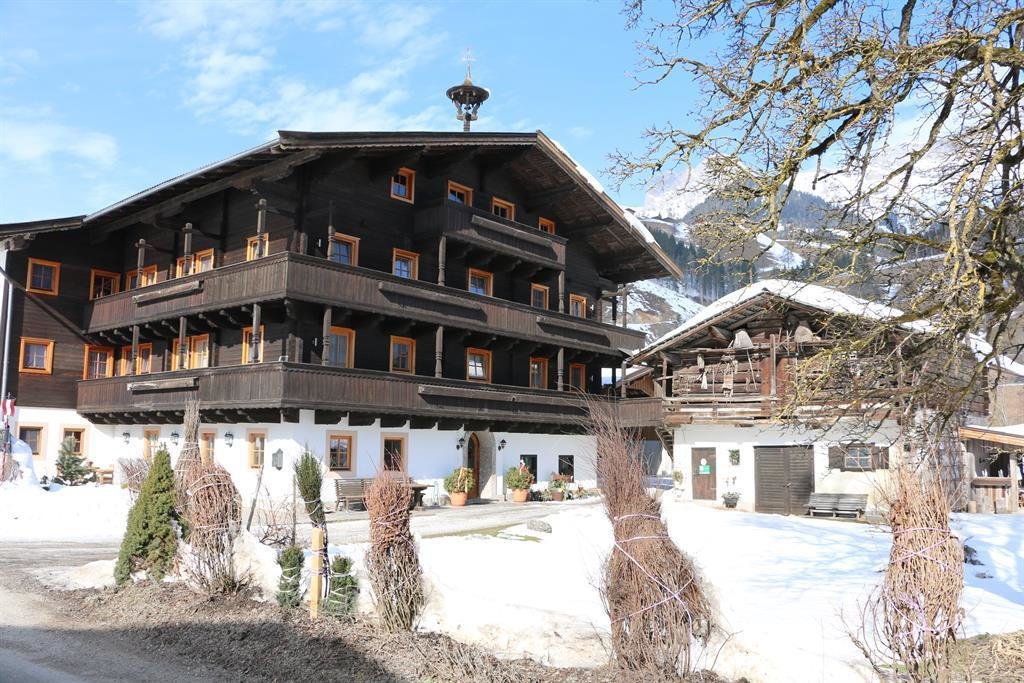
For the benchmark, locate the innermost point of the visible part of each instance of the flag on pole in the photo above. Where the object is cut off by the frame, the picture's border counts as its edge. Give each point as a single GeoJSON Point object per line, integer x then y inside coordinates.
{"type": "Point", "coordinates": [8, 407]}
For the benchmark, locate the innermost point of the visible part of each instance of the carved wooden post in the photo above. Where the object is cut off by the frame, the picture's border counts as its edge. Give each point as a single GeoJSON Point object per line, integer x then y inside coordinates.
{"type": "Point", "coordinates": [560, 369]}
{"type": "Point", "coordinates": [261, 225]}
{"type": "Point", "coordinates": [325, 353]}
{"type": "Point", "coordinates": [625, 306]}
{"type": "Point", "coordinates": [438, 351]}
{"type": "Point", "coordinates": [330, 230]}
{"type": "Point", "coordinates": [187, 267]}
{"type": "Point", "coordinates": [254, 338]}
{"type": "Point", "coordinates": [615, 309]}
{"type": "Point", "coordinates": [316, 571]}
{"type": "Point", "coordinates": [140, 262]}
{"type": "Point", "coordinates": [442, 248]}
{"type": "Point", "coordinates": [773, 340]}
{"type": "Point", "coordinates": [561, 291]}
{"type": "Point", "coordinates": [182, 343]}
{"type": "Point", "coordinates": [622, 390]}
{"type": "Point", "coordinates": [135, 350]}
{"type": "Point", "coordinates": [664, 376]}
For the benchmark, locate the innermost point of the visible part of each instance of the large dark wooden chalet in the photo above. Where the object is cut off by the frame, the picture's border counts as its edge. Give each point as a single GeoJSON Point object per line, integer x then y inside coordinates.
{"type": "Point", "coordinates": [432, 279]}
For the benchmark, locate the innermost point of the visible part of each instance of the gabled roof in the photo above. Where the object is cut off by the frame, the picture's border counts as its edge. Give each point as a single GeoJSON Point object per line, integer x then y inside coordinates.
{"type": "Point", "coordinates": [626, 249]}
{"type": "Point", "coordinates": [824, 299]}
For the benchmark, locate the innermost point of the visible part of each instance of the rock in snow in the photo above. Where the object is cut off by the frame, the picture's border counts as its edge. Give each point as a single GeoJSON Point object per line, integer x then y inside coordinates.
{"type": "Point", "coordinates": [538, 525]}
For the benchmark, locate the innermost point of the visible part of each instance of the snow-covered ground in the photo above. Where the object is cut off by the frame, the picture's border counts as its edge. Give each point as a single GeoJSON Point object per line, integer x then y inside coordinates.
{"type": "Point", "coordinates": [782, 585]}
{"type": "Point", "coordinates": [88, 513]}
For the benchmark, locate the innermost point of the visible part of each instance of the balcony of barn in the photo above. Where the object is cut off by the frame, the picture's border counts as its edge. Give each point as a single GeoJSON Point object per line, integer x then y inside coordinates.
{"type": "Point", "coordinates": [276, 391]}
{"type": "Point", "coordinates": [756, 383]}
{"type": "Point", "coordinates": [466, 228]}
{"type": "Point", "coordinates": [224, 296]}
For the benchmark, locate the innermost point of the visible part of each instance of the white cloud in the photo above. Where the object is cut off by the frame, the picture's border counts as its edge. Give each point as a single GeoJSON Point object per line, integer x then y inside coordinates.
{"type": "Point", "coordinates": [230, 58]}
{"type": "Point", "coordinates": [15, 61]}
{"type": "Point", "coordinates": [580, 132]}
{"type": "Point", "coordinates": [31, 138]}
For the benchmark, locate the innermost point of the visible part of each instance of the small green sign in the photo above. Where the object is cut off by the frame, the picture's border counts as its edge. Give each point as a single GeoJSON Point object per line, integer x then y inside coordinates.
{"type": "Point", "coordinates": [704, 469]}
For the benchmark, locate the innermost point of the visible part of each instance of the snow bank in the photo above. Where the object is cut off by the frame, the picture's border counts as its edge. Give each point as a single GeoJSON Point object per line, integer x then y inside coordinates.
{"type": "Point", "coordinates": [89, 513]}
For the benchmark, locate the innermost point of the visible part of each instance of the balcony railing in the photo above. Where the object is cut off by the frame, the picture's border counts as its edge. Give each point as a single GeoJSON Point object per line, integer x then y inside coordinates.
{"type": "Point", "coordinates": [293, 385]}
{"type": "Point", "coordinates": [299, 277]}
{"type": "Point", "coordinates": [487, 231]}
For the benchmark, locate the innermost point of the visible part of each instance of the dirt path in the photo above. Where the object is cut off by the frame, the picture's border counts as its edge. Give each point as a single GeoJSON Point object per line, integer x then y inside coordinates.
{"type": "Point", "coordinates": [38, 643]}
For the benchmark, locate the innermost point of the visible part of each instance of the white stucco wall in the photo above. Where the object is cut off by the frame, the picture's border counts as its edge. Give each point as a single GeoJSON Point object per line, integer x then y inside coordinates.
{"type": "Point", "coordinates": [431, 454]}
{"type": "Point", "coordinates": [740, 478]}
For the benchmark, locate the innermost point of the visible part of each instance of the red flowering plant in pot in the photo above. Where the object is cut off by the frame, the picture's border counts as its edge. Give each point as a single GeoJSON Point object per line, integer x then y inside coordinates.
{"type": "Point", "coordinates": [558, 485]}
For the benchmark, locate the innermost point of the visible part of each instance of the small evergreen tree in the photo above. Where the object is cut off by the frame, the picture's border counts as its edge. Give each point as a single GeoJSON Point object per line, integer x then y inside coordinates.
{"type": "Point", "coordinates": [309, 478]}
{"type": "Point", "coordinates": [291, 561]}
{"type": "Point", "coordinates": [149, 540]}
{"type": "Point", "coordinates": [344, 589]}
{"type": "Point", "coordinates": [71, 469]}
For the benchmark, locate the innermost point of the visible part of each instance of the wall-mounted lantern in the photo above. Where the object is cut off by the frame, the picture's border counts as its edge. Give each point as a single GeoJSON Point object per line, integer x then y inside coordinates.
{"type": "Point", "coordinates": [229, 439]}
{"type": "Point", "coordinates": [277, 459]}
{"type": "Point", "coordinates": [461, 443]}
{"type": "Point", "coordinates": [175, 436]}
{"type": "Point", "coordinates": [502, 444]}
{"type": "Point", "coordinates": [126, 436]}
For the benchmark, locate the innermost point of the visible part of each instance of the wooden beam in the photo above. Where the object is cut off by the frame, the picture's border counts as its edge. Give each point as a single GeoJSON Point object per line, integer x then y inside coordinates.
{"type": "Point", "coordinates": [173, 206]}
{"type": "Point", "coordinates": [538, 200]}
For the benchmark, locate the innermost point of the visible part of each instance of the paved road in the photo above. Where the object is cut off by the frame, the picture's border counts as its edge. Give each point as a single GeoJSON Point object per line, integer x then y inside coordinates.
{"type": "Point", "coordinates": [38, 644]}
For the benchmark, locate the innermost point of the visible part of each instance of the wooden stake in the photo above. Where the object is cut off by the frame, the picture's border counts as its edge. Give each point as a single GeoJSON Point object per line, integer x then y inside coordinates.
{"type": "Point", "coordinates": [315, 577]}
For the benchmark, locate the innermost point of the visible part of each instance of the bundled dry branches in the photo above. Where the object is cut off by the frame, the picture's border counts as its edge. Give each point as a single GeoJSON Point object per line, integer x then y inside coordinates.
{"type": "Point", "coordinates": [658, 610]}
{"type": "Point", "coordinates": [274, 520]}
{"type": "Point", "coordinates": [214, 515]}
{"type": "Point", "coordinates": [911, 622]}
{"type": "Point", "coordinates": [133, 473]}
{"type": "Point", "coordinates": [392, 561]}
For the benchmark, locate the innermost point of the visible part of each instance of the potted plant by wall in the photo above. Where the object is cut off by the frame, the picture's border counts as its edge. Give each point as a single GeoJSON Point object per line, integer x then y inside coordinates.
{"type": "Point", "coordinates": [556, 486]}
{"type": "Point", "coordinates": [519, 479]}
{"type": "Point", "coordinates": [458, 484]}
{"type": "Point", "coordinates": [730, 498]}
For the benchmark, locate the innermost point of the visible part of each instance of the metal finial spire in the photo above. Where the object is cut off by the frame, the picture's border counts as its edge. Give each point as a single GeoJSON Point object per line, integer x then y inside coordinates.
{"type": "Point", "coordinates": [467, 97]}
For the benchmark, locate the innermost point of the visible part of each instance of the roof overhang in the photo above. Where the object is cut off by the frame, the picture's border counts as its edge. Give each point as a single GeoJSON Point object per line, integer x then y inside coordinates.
{"type": "Point", "coordinates": [992, 435]}
{"type": "Point", "coordinates": [626, 250]}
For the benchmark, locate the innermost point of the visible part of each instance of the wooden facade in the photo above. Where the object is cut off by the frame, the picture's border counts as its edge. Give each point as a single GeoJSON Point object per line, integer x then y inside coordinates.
{"type": "Point", "coordinates": [235, 281]}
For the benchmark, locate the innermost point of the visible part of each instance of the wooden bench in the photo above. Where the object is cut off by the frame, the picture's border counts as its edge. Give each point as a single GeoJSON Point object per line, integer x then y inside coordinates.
{"type": "Point", "coordinates": [348, 491]}
{"type": "Point", "coordinates": [837, 504]}
{"type": "Point", "coordinates": [104, 475]}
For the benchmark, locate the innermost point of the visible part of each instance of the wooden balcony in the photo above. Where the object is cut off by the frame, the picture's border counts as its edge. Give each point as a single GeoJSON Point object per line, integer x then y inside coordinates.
{"type": "Point", "coordinates": [239, 392]}
{"type": "Point", "coordinates": [486, 231]}
{"type": "Point", "coordinates": [308, 278]}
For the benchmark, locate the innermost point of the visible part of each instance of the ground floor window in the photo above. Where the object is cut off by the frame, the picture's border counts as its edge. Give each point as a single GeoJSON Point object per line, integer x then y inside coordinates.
{"type": "Point", "coordinates": [567, 465]}
{"type": "Point", "coordinates": [394, 453]}
{"type": "Point", "coordinates": [339, 452]}
{"type": "Point", "coordinates": [206, 441]}
{"type": "Point", "coordinates": [77, 437]}
{"type": "Point", "coordinates": [150, 437]}
{"type": "Point", "coordinates": [530, 461]}
{"type": "Point", "coordinates": [257, 448]}
{"type": "Point", "coordinates": [33, 436]}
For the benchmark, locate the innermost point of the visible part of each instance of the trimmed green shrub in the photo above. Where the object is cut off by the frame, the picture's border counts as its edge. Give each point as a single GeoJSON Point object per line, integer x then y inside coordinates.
{"type": "Point", "coordinates": [518, 478]}
{"type": "Point", "coordinates": [149, 540]}
{"type": "Point", "coordinates": [71, 469]}
{"type": "Point", "coordinates": [291, 561]}
{"type": "Point", "coordinates": [309, 477]}
{"type": "Point", "coordinates": [341, 598]}
{"type": "Point", "coordinates": [459, 481]}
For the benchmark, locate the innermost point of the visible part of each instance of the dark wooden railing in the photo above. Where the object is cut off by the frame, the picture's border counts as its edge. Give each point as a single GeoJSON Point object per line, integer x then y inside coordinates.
{"type": "Point", "coordinates": [487, 231]}
{"type": "Point", "coordinates": [308, 278]}
{"type": "Point", "coordinates": [294, 385]}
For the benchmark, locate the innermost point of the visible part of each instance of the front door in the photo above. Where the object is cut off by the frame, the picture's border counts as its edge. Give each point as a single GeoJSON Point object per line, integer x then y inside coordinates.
{"type": "Point", "coordinates": [473, 462]}
{"type": "Point", "coordinates": [783, 478]}
{"type": "Point", "coordinates": [703, 473]}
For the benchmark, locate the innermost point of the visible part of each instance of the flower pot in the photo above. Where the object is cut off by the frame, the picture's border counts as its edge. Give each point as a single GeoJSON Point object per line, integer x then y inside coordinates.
{"type": "Point", "coordinates": [458, 498]}
{"type": "Point", "coordinates": [557, 495]}
{"type": "Point", "coordinates": [520, 495]}
{"type": "Point", "coordinates": [730, 502]}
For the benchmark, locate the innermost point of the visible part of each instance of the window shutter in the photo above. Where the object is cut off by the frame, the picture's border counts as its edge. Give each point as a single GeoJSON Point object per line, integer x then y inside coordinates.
{"type": "Point", "coordinates": [879, 457]}
{"type": "Point", "coordinates": [836, 457]}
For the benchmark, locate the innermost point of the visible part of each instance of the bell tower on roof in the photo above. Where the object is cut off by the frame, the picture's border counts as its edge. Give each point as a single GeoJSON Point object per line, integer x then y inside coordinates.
{"type": "Point", "coordinates": [467, 97]}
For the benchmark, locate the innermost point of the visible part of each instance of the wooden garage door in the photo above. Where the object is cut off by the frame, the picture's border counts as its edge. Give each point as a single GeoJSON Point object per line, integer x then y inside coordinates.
{"type": "Point", "coordinates": [783, 478]}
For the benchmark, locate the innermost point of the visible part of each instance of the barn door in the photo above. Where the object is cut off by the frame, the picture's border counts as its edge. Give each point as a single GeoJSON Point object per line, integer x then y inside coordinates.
{"type": "Point", "coordinates": [703, 460]}
{"type": "Point", "coordinates": [783, 478]}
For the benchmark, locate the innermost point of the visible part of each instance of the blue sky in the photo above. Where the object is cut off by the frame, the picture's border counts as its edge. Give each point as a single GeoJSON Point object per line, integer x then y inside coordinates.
{"type": "Point", "coordinates": [101, 100]}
